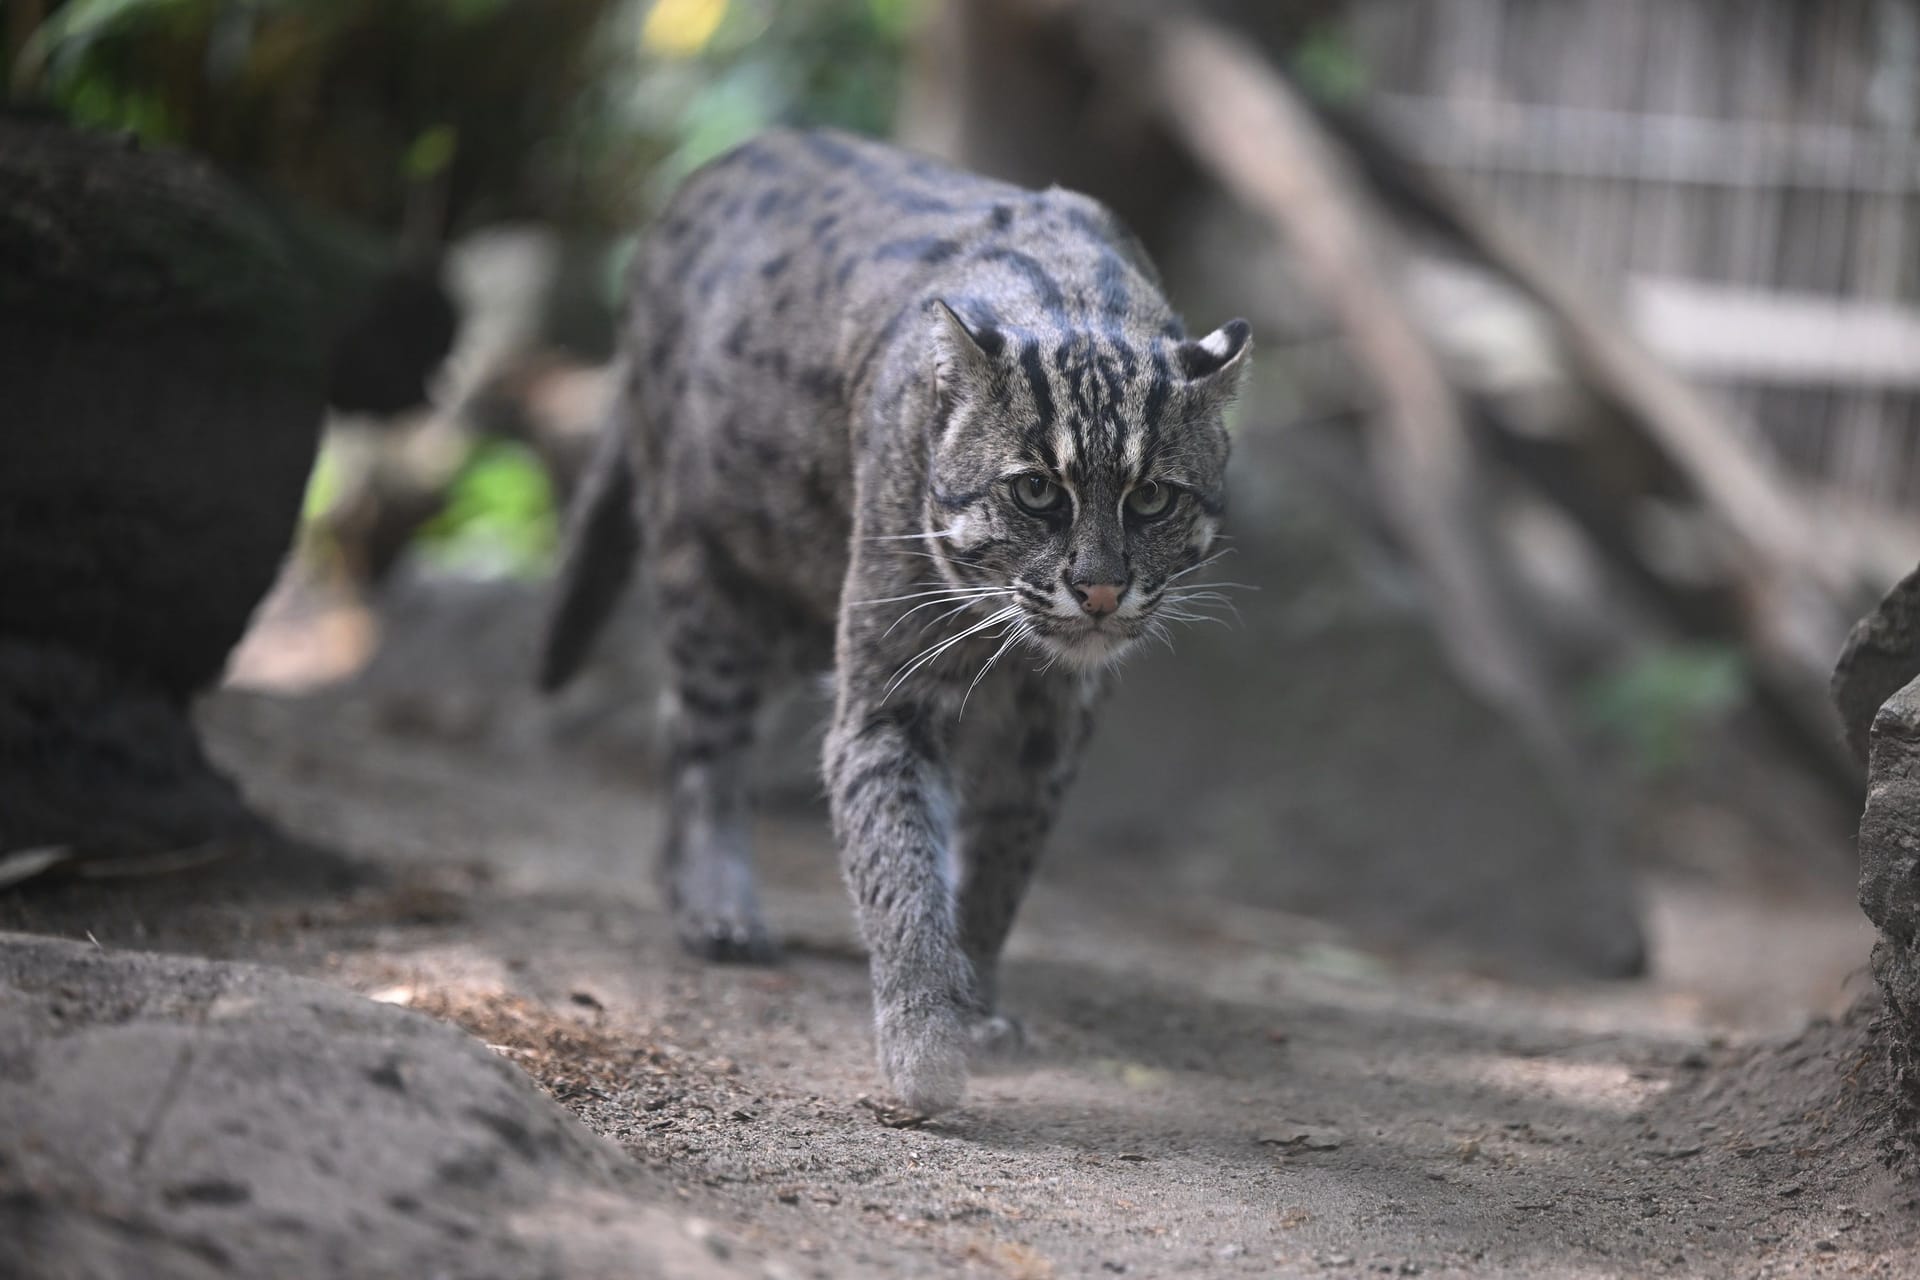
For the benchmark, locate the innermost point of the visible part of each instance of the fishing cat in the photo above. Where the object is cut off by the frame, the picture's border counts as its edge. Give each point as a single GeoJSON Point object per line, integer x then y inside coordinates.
{"type": "Point", "coordinates": [944, 433]}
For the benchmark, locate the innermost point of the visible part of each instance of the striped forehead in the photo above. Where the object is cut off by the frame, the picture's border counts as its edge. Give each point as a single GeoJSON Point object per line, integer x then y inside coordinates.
{"type": "Point", "coordinates": [1095, 397]}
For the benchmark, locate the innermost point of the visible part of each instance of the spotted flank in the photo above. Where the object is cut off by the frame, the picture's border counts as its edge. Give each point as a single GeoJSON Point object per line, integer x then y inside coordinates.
{"type": "Point", "coordinates": [945, 436]}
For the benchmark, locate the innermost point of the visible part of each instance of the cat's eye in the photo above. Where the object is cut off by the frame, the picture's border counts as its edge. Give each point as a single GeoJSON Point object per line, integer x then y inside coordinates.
{"type": "Point", "coordinates": [1037, 494]}
{"type": "Point", "coordinates": [1150, 500]}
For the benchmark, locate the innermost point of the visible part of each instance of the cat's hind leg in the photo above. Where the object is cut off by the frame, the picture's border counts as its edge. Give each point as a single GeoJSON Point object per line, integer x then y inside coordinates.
{"type": "Point", "coordinates": [720, 651]}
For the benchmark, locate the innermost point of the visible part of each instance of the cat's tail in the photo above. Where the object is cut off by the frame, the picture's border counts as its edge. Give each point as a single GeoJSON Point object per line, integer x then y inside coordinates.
{"type": "Point", "coordinates": [603, 541]}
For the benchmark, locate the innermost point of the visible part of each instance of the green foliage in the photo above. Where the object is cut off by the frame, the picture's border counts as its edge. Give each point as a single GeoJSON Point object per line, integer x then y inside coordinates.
{"type": "Point", "coordinates": [438, 115]}
{"type": "Point", "coordinates": [430, 117]}
{"type": "Point", "coordinates": [499, 519]}
{"type": "Point", "coordinates": [432, 152]}
{"type": "Point", "coordinates": [323, 486]}
{"type": "Point", "coordinates": [1328, 67]}
{"type": "Point", "coordinates": [1658, 704]}
{"type": "Point", "coordinates": [764, 62]}
{"type": "Point", "coordinates": [354, 106]}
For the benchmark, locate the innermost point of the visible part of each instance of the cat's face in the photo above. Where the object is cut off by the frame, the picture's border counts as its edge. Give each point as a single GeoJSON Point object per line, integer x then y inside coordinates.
{"type": "Point", "coordinates": [1078, 476]}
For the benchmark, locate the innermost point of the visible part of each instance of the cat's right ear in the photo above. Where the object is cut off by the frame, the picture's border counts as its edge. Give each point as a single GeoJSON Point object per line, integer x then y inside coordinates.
{"type": "Point", "coordinates": [964, 354]}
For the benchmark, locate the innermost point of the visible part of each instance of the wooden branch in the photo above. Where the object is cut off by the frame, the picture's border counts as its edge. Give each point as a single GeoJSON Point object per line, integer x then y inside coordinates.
{"type": "Point", "coordinates": [1348, 201]}
{"type": "Point", "coordinates": [1793, 588]}
{"type": "Point", "coordinates": [1247, 130]}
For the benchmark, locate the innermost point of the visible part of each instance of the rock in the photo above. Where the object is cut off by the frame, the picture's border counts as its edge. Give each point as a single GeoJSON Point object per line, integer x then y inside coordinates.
{"type": "Point", "coordinates": [89, 758]}
{"type": "Point", "coordinates": [164, 373]}
{"type": "Point", "coordinates": [165, 381]}
{"type": "Point", "coordinates": [1882, 653]}
{"type": "Point", "coordinates": [1876, 686]}
{"type": "Point", "coordinates": [1890, 883]}
{"type": "Point", "coordinates": [179, 1119]}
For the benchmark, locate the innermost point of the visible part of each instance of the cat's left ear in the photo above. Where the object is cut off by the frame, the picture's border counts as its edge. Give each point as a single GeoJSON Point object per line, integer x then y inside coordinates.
{"type": "Point", "coordinates": [1213, 363]}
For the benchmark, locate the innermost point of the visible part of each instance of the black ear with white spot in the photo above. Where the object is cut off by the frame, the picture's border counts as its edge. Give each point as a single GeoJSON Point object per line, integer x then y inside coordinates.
{"type": "Point", "coordinates": [1215, 359]}
{"type": "Point", "coordinates": [964, 354]}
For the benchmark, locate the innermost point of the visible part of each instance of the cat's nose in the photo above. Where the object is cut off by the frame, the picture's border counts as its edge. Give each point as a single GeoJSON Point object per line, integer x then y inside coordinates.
{"type": "Point", "coordinates": [1101, 597]}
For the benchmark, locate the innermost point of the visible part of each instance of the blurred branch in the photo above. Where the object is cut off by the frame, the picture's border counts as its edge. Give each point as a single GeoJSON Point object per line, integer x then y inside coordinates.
{"type": "Point", "coordinates": [1349, 202]}
{"type": "Point", "coordinates": [1248, 129]}
{"type": "Point", "coordinates": [23, 19]}
{"type": "Point", "coordinates": [1245, 129]}
{"type": "Point", "coordinates": [1788, 591]}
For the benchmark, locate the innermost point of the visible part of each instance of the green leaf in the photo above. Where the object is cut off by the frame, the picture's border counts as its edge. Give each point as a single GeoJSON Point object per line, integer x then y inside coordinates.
{"type": "Point", "coordinates": [71, 29]}
{"type": "Point", "coordinates": [499, 519]}
{"type": "Point", "coordinates": [431, 152]}
{"type": "Point", "coordinates": [1657, 704]}
{"type": "Point", "coordinates": [895, 18]}
{"type": "Point", "coordinates": [1328, 68]}
{"type": "Point", "coordinates": [323, 485]}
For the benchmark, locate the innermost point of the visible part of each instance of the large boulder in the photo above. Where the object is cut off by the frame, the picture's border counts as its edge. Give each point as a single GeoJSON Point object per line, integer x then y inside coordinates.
{"type": "Point", "coordinates": [1881, 655]}
{"type": "Point", "coordinates": [1890, 885]}
{"type": "Point", "coordinates": [163, 370]}
{"type": "Point", "coordinates": [164, 375]}
{"type": "Point", "coordinates": [182, 1119]}
{"type": "Point", "coordinates": [1876, 685]}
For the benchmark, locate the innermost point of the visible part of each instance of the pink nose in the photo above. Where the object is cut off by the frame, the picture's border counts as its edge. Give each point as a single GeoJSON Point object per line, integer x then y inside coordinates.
{"type": "Point", "coordinates": [1102, 598]}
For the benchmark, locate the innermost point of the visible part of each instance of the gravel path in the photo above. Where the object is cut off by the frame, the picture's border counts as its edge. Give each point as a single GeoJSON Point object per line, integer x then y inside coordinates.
{"type": "Point", "coordinates": [1215, 1090]}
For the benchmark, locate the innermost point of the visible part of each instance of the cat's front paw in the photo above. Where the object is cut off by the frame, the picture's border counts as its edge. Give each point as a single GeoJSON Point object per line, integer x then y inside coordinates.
{"type": "Point", "coordinates": [923, 1054]}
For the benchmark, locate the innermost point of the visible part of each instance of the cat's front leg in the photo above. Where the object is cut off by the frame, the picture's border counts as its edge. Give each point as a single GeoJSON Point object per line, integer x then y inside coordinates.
{"type": "Point", "coordinates": [1016, 760]}
{"type": "Point", "coordinates": [892, 798]}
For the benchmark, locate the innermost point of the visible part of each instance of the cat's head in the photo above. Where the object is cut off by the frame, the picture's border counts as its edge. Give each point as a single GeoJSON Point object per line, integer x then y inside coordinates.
{"type": "Point", "coordinates": [1082, 473]}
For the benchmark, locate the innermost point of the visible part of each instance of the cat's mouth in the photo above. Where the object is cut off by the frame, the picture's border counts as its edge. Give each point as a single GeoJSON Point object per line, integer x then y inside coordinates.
{"type": "Point", "coordinates": [1085, 641]}
{"type": "Point", "coordinates": [1054, 622]}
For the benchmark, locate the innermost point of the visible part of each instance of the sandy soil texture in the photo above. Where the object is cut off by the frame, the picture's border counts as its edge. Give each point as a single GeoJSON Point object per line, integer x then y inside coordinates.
{"type": "Point", "coordinates": [1215, 1089]}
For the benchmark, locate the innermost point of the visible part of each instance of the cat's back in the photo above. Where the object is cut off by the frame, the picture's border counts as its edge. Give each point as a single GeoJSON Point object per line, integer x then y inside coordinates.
{"type": "Point", "coordinates": [808, 244]}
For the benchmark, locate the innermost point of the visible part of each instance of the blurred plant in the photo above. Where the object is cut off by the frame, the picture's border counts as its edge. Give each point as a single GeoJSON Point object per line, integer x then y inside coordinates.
{"type": "Point", "coordinates": [417, 114]}
{"type": "Point", "coordinates": [1328, 67]}
{"type": "Point", "coordinates": [422, 119]}
{"type": "Point", "coordinates": [1658, 704]}
{"type": "Point", "coordinates": [432, 116]}
{"type": "Point", "coordinates": [323, 486]}
{"type": "Point", "coordinates": [715, 72]}
{"type": "Point", "coordinates": [499, 517]}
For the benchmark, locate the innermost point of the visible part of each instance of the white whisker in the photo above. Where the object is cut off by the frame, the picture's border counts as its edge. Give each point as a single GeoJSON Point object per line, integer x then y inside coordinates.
{"type": "Point", "coordinates": [942, 617]}
{"type": "Point", "coordinates": [934, 651]}
{"type": "Point", "coordinates": [1218, 555]}
{"type": "Point", "coordinates": [909, 537]}
{"type": "Point", "coordinates": [1211, 585]}
{"type": "Point", "coordinates": [937, 557]}
{"type": "Point", "coordinates": [1200, 601]}
{"type": "Point", "coordinates": [950, 592]}
{"type": "Point", "coordinates": [1021, 629]}
{"type": "Point", "coordinates": [964, 602]}
{"type": "Point", "coordinates": [1204, 591]}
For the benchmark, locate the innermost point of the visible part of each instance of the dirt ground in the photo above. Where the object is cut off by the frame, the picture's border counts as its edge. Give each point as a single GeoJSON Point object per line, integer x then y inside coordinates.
{"type": "Point", "coordinates": [1215, 1089]}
